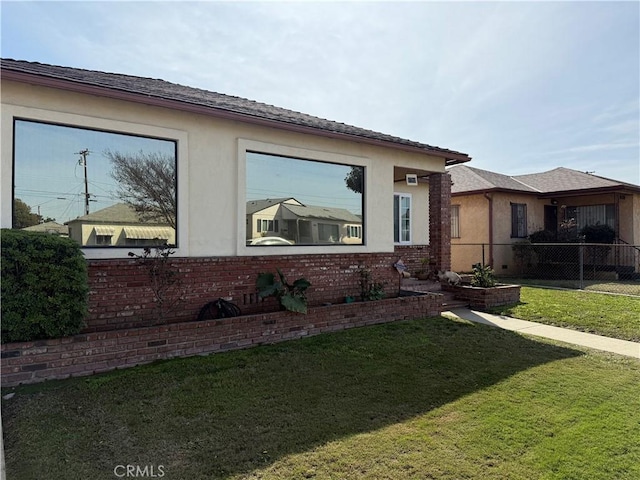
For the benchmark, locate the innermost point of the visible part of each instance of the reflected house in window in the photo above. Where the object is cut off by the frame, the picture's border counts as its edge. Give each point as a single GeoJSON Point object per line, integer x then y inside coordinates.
{"type": "Point", "coordinates": [297, 223]}
{"type": "Point", "coordinates": [53, 228]}
{"type": "Point", "coordinates": [119, 225]}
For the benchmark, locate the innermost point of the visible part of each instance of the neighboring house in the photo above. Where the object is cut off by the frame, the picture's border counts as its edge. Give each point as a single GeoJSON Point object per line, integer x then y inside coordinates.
{"type": "Point", "coordinates": [498, 210]}
{"type": "Point", "coordinates": [302, 224]}
{"type": "Point", "coordinates": [224, 151]}
{"type": "Point", "coordinates": [118, 225]}
{"type": "Point", "coordinates": [53, 228]}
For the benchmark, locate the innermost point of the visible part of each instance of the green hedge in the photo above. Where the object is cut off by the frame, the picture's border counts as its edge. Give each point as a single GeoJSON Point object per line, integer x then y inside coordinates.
{"type": "Point", "coordinates": [44, 286]}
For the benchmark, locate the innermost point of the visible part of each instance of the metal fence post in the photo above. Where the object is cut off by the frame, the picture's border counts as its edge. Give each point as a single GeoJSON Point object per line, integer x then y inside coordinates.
{"type": "Point", "coordinates": [581, 260]}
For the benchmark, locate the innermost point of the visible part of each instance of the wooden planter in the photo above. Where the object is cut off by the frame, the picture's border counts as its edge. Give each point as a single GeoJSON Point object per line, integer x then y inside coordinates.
{"type": "Point", "coordinates": [484, 298]}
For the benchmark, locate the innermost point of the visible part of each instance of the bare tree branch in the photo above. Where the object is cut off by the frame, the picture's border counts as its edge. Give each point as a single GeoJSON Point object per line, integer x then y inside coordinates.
{"type": "Point", "coordinates": [147, 183]}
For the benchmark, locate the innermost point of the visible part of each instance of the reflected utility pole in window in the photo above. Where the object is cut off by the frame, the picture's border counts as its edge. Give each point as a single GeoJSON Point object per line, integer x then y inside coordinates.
{"type": "Point", "coordinates": [83, 161]}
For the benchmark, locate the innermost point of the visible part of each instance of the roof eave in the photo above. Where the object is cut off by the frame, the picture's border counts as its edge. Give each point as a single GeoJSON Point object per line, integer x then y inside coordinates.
{"type": "Point", "coordinates": [451, 158]}
{"type": "Point", "coordinates": [622, 189]}
{"type": "Point", "coordinates": [482, 191]}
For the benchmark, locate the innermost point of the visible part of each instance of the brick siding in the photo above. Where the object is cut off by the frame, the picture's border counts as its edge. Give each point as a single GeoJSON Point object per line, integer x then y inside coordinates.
{"type": "Point", "coordinates": [440, 219]}
{"type": "Point", "coordinates": [120, 295]}
{"type": "Point", "coordinates": [89, 353]}
{"type": "Point", "coordinates": [484, 298]}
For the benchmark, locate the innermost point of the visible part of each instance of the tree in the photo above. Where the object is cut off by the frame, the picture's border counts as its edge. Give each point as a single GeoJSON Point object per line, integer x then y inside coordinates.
{"type": "Point", "coordinates": [355, 179]}
{"type": "Point", "coordinates": [22, 216]}
{"type": "Point", "coordinates": [147, 183]}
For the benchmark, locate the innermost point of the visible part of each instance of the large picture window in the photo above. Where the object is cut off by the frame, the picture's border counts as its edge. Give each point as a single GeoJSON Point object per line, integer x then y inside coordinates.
{"type": "Point", "coordinates": [584, 215]}
{"type": "Point", "coordinates": [295, 201]}
{"type": "Point", "coordinates": [100, 188]}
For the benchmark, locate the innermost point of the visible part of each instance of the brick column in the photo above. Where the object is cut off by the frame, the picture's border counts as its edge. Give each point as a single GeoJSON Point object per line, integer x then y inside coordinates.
{"type": "Point", "coordinates": [440, 220]}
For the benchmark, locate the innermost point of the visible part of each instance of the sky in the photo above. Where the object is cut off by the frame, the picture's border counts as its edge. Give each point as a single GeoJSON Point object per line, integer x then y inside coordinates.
{"type": "Point", "coordinates": [521, 87]}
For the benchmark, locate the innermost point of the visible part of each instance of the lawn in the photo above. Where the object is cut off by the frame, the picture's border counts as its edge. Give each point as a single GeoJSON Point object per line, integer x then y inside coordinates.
{"type": "Point", "coordinates": [616, 316]}
{"type": "Point", "coordinates": [433, 398]}
{"type": "Point", "coordinates": [628, 287]}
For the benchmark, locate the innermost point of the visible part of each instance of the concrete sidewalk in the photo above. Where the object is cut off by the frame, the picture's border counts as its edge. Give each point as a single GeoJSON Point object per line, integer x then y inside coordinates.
{"type": "Point", "coordinates": [613, 345]}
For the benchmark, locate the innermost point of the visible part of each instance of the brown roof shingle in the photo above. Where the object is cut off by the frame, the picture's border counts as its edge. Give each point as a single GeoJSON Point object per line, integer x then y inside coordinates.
{"type": "Point", "coordinates": [151, 88]}
{"type": "Point", "coordinates": [468, 179]}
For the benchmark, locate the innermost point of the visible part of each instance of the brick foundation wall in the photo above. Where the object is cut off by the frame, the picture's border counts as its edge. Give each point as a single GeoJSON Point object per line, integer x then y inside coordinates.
{"type": "Point", "coordinates": [86, 354]}
{"type": "Point", "coordinates": [412, 256]}
{"type": "Point", "coordinates": [484, 298]}
{"type": "Point", "coordinates": [120, 294]}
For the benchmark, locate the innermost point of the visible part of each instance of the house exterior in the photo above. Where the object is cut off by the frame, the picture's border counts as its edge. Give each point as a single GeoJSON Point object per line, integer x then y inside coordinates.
{"type": "Point", "coordinates": [223, 152]}
{"type": "Point", "coordinates": [492, 211]}
{"type": "Point", "coordinates": [52, 228]}
{"type": "Point", "coordinates": [297, 223]}
{"type": "Point", "coordinates": [118, 225]}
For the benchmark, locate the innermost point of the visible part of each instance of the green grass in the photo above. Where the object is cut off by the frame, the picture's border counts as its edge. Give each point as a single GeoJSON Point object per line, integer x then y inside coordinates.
{"type": "Point", "coordinates": [621, 287]}
{"type": "Point", "coordinates": [434, 398]}
{"type": "Point", "coordinates": [614, 316]}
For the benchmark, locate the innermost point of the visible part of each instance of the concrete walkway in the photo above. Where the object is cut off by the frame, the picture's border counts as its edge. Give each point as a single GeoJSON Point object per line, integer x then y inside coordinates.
{"type": "Point", "coordinates": [613, 345]}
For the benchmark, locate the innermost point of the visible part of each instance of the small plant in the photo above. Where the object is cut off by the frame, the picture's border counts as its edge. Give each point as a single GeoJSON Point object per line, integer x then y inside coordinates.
{"type": "Point", "coordinates": [165, 283]}
{"type": "Point", "coordinates": [483, 276]}
{"type": "Point", "coordinates": [292, 296]}
{"type": "Point", "coordinates": [424, 270]}
{"type": "Point", "coordinates": [370, 290]}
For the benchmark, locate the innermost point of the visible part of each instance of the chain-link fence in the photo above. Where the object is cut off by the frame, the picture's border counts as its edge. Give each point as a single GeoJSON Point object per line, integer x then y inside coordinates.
{"type": "Point", "coordinates": [613, 268]}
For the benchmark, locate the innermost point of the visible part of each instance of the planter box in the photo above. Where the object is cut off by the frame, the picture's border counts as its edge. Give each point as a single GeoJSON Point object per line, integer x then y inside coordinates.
{"type": "Point", "coordinates": [485, 298]}
{"type": "Point", "coordinates": [89, 353]}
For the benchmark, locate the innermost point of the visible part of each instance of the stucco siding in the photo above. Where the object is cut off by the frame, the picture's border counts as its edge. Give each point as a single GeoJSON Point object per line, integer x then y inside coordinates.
{"type": "Point", "coordinates": [211, 163]}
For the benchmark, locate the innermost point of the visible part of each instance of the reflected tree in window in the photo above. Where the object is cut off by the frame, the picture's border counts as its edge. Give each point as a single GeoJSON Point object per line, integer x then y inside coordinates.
{"type": "Point", "coordinates": [355, 179]}
{"type": "Point", "coordinates": [147, 183]}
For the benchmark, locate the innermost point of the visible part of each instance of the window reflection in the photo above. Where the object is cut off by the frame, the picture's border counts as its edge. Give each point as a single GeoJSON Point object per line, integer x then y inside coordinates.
{"type": "Point", "coordinates": [293, 201]}
{"type": "Point", "coordinates": [100, 188]}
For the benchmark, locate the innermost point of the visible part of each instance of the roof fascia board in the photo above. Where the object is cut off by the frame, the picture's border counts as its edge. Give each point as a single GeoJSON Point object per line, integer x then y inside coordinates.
{"type": "Point", "coordinates": [561, 193]}
{"type": "Point", "coordinates": [624, 189]}
{"type": "Point", "coordinates": [492, 190]}
{"type": "Point", "coordinates": [104, 91]}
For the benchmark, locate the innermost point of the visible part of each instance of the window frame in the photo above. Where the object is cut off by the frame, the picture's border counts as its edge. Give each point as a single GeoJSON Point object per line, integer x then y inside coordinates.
{"type": "Point", "coordinates": [398, 228]}
{"type": "Point", "coordinates": [13, 113]}
{"type": "Point", "coordinates": [357, 229]}
{"type": "Point", "coordinates": [245, 146]}
{"type": "Point", "coordinates": [455, 221]}
{"type": "Point", "coordinates": [518, 220]}
{"type": "Point", "coordinates": [579, 214]}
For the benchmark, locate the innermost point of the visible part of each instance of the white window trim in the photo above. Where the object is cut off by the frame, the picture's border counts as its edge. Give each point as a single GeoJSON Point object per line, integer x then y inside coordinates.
{"type": "Point", "coordinates": [410, 241]}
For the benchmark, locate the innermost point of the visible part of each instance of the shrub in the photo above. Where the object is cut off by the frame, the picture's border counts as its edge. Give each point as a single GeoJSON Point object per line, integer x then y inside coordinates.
{"type": "Point", "coordinates": [370, 290]}
{"type": "Point", "coordinates": [292, 296]}
{"type": "Point", "coordinates": [599, 233]}
{"type": "Point", "coordinates": [543, 236]}
{"type": "Point", "coordinates": [164, 282]}
{"type": "Point", "coordinates": [44, 286]}
{"type": "Point", "coordinates": [483, 276]}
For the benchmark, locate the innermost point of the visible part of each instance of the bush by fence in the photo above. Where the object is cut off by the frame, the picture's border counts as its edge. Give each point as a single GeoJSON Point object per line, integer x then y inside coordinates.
{"type": "Point", "coordinates": [44, 286]}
